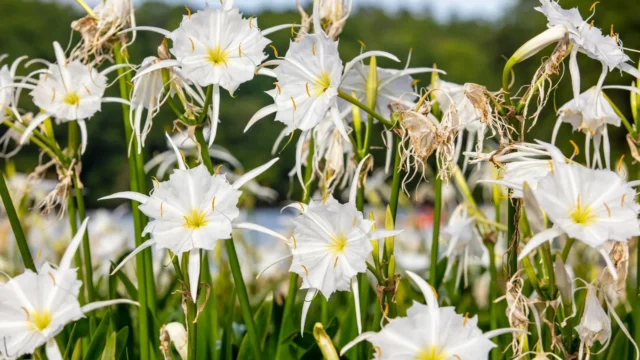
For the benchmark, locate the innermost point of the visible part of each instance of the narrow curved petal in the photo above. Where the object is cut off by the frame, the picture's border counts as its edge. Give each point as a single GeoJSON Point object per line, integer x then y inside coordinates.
{"type": "Point", "coordinates": [118, 100]}
{"type": "Point", "coordinates": [432, 303]}
{"type": "Point", "coordinates": [299, 147]}
{"type": "Point", "coordinates": [83, 135]}
{"type": "Point", "coordinates": [65, 263]}
{"type": "Point", "coordinates": [52, 350]}
{"type": "Point", "coordinates": [365, 55]}
{"type": "Point", "coordinates": [245, 178]}
{"type": "Point", "coordinates": [539, 239]}
{"type": "Point", "coordinates": [311, 294]}
{"type": "Point", "coordinates": [162, 64]}
{"type": "Point", "coordinates": [356, 179]}
{"type": "Point", "coordinates": [356, 341]}
{"type": "Point", "coordinates": [610, 266]}
{"type": "Point", "coordinates": [267, 72]}
{"type": "Point", "coordinates": [338, 122]}
{"type": "Point", "coordinates": [181, 164]}
{"type": "Point", "coordinates": [137, 250]}
{"type": "Point", "coordinates": [273, 29]}
{"type": "Point", "coordinates": [259, 228]}
{"type": "Point", "coordinates": [130, 195]}
{"type": "Point", "coordinates": [35, 122]}
{"type": "Point", "coordinates": [113, 68]}
{"type": "Point", "coordinates": [273, 263]}
{"type": "Point", "coordinates": [215, 113]}
{"type": "Point", "coordinates": [265, 111]}
{"type": "Point", "coordinates": [100, 304]}
{"type": "Point", "coordinates": [161, 31]}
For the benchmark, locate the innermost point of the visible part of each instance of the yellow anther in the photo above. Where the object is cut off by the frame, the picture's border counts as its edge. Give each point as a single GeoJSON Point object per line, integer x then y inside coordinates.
{"type": "Point", "coordinates": [305, 270]}
{"type": "Point", "coordinates": [415, 82]}
{"type": "Point", "coordinates": [193, 46]}
{"type": "Point", "coordinates": [155, 180]}
{"type": "Point", "coordinates": [240, 50]}
{"type": "Point", "coordinates": [306, 87]}
{"type": "Point", "coordinates": [620, 163]}
{"type": "Point", "coordinates": [278, 87]}
{"type": "Point", "coordinates": [218, 169]}
{"type": "Point", "coordinates": [335, 263]}
{"type": "Point", "coordinates": [295, 243]}
{"type": "Point", "coordinates": [435, 292]}
{"type": "Point", "coordinates": [386, 309]}
{"type": "Point", "coordinates": [87, 89]}
{"type": "Point", "coordinates": [250, 20]}
{"type": "Point", "coordinates": [379, 350]}
{"type": "Point", "coordinates": [593, 6]}
{"type": "Point", "coordinates": [161, 209]}
{"type": "Point", "coordinates": [551, 166]}
{"type": "Point", "coordinates": [354, 221]}
{"type": "Point", "coordinates": [188, 12]}
{"type": "Point", "coordinates": [466, 319]}
{"type": "Point", "coordinates": [576, 149]}
{"type": "Point", "coordinates": [53, 97]}
{"type": "Point", "coordinates": [293, 27]}
{"type": "Point", "coordinates": [184, 158]}
{"type": "Point", "coordinates": [313, 49]}
{"type": "Point", "coordinates": [213, 204]}
{"type": "Point", "coordinates": [294, 104]}
{"type": "Point", "coordinates": [622, 200]}
{"type": "Point", "coordinates": [362, 44]}
{"type": "Point", "coordinates": [611, 31]}
{"type": "Point", "coordinates": [591, 24]}
{"type": "Point", "coordinates": [608, 210]}
{"type": "Point", "coordinates": [275, 51]}
{"type": "Point", "coordinates": [25, 311]}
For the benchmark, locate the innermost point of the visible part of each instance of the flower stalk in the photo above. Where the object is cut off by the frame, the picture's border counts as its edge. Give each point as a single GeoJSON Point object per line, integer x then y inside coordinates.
{"type": "Point", "coordinates": [18, 232]}
{"type": "Point", "coordinates": [435, 240]}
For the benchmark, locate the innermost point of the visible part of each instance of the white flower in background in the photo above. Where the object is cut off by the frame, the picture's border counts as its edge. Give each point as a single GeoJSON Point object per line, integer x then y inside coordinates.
{"type": "Point", "coordinates": [394, 86]}
{"type": "Point", "coordinates": [585, 38]}
{"type": "Point", "coordinates": [334, 15]}
{"type": "Point", "coordinates": [591, 206]}
{"type": "Point", "coordinates": [7, 93]}
{"type": "Point", "coordinates": [177, 334]}
{"type": "Point", "coordinates": [308, 79]}
{"type": "Point", "coordinates": [35, 307]}
{"type": "Point", "coordinates": [332, 156]}
{"type": "Point", "coordinates": [191, 211]}
{"type": "Point", "coordinates": [590, 113]}
{"type": "Point", "coordinates": [68, 91]}
{"type": "Point", "coordinates": [430, 332]}
{"type": "Point", "coordinates": [110, 237]}
{"type": "Point", "coordinates": [412, 247]}
{"type": "Point", "coordinates": [595, 324]}
{"type": "Point", "coordinates": [464, 241]}
{"type": "Point", "coordinates": [519, 162]}
{"type": "Point", "coordinates": [147, 94]}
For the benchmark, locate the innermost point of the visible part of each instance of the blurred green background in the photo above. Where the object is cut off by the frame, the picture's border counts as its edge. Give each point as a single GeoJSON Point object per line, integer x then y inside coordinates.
{"type": "Point", "coordinates": [469, 50]}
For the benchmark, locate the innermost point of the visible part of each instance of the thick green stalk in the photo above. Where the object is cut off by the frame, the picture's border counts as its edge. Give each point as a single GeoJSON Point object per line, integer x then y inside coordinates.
{"type": "Point", "coordinates": [192, 310]}
{"type": "Point", "coordinates": [550, 275]}
{"type": "Point", "coordinates": [364, 107]}
{"type": "Point", "coordinates": [395, 183]}
{"type": "Point", "coordinates": [512, 239]}
{"type": "Point", "coordinates": [435, 240]}
{"type": "Point", "coordinates": [71, 212]}
{"type": "Point", "coordinates": [241, 288]}
{"type": "Point", "coordinates": [567, 249]}
{"type": "Point", "coordinates": [493, 294]}
{"type": "Point", "coordinates": [27, 259]}
{"type": "Point", "coordinates": [141, 266]}
{"type": "Point", "coordinates": [86, 246]}
{"type": "Point", "coordinates": [204, 149]}
{"type": "Point", "coordinates": [290, 301]}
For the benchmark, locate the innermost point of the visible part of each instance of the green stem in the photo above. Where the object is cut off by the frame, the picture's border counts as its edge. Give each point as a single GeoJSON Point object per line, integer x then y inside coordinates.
{"type": "Point", "coordinates": [141, 263]}
{"type": "Point", "coordinates": [395, 183]}
{"type": "Point", "coordinates": [241, 288]}
{"type": "Point", "coordinates": [191, 314]}
{"type": "Point", "coordinates": [512, 239]}
{"type": "Point", "coordinates": [493, 293]}
{"type": "Point", "coordinates": [364, 107]}
{"type": "Point", "coordinates": [204, 148]}
{"type": "Point", "coordinates": [207, 103]}
{"type": "Point", "coordinates": [71, 212]}
{"type": "Point", "coordinates": [506, 73]}
{"type": "Point", "coordinates": [86, 246]}
{"type": "Point", "coordinates": [435, 240]}
{"type": "Point", "coordinates": [547, 261]}
{"type": "Point", "coordinates": [18, 232]}
{"type": "Point", "coordinates": [290, 301]}
{"type": "Point", "coordinates": [620, 114]}
{"type": "Point", "coordinates": [243, 297]}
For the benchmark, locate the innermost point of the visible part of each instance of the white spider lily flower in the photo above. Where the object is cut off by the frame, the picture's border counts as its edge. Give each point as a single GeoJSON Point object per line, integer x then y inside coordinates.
{"type": "Point", "coordinates": [334, 153]}
{"type": "Point", "coordinates": [330, 245]}
{"type": "Point", "coordinates": [591, 206]}
{"type": "Point", "coordinates": [590, 113]}
{"type": "Point", "coordinates": [8, 98]}
{"type": "Point", "coordinates": [68, 91]}
{"type": "Point", "coordinates": [430, 332]}
{"type": "Point", "coordinates": [190, 211]}
{"type": "Point", "coordinates": [147, 94]}
{"type": "Point", "coordinates": [394, 86]}
{"type": "Point", "coordinates": [35, 307]}
{"type": "Point", "coordinates": [110, 238]}
{"type": "Point", "coordinates": [585, 37]}
{"type": "Point", "coordinates": [308, 80]}
{"type": "Point", "coordinates": [216, 47]}
{"type": "Point", "coordinates": [519, 162]}
{"type": "Point", "coordinates": [334, 15]}
{"type": "Point", "coordinates": [595, 324]}
{"type": "Point", "coordinates": [464, 241]}
{"type": "Point", "coordinates": [115, 15]}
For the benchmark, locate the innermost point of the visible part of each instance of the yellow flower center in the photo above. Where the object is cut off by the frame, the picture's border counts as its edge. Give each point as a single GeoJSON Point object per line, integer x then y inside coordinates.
{"type": "Point", "coordinates": [431, 354]}
{"type": "Point", "coordinates": [322, 83]}
{"type": "Point", "coordinates": [195, 219]}
{"type": "Point", "coordinates": [217, 56]}
{"type": "Point", "coordinates": [583, 215]}
{"type": "Point", "coordinates": [40, 320]}
{"type": "Point", "coordinates": [72, 99]}
{"type": "Point", "coordinates": [339, 243]}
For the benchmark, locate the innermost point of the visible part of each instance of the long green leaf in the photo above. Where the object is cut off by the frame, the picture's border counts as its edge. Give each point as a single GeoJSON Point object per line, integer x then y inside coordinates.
{"type": "Point", "coordinates": [98, 339]}
{"type": "Point", "coordinates": [262, 319]}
